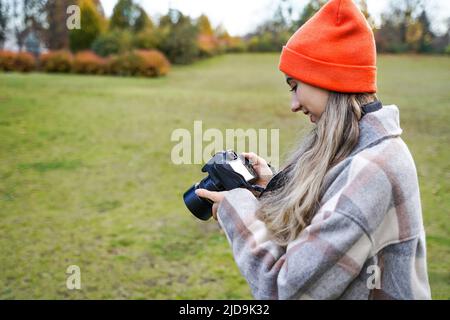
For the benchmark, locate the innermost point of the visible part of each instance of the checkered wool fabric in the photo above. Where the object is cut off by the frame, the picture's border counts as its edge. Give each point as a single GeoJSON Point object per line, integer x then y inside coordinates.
{"type": "Point", "coordinates": [366, 241]}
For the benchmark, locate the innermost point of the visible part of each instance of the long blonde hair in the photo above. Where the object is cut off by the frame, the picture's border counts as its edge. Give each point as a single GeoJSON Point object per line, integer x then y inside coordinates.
{"type": "Point", "coordinates": [287, 210]}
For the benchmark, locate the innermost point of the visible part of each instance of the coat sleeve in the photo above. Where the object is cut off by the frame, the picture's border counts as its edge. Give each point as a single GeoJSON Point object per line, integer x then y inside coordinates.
{"type": "Point", "coordinates": [320, 264]}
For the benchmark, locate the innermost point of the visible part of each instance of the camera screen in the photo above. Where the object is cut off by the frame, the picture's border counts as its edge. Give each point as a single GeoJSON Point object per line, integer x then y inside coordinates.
{"type": "Point", "coordinates": [240, 168]}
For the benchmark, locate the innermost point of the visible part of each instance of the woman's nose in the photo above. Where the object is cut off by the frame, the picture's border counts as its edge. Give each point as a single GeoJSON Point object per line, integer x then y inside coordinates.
{"type": "Point", "coordinates": [295, 104]}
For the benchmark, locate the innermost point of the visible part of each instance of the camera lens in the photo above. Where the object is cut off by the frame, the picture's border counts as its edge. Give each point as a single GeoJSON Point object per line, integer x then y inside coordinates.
{"type": "Point", "coordinates": [201, 208]}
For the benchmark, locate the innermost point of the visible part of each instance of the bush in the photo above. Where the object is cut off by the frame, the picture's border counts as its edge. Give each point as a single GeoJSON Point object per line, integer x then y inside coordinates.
{"type": "Point", "coordinates": [111, 43]}
{"type": "Point", "coordinates": [179, 38]}
{"type": "Point", "coordinates": [147, 63]}
{"type": "Point", "coordinates": [235, 44]}
{"type": "Point", "coordinates": [153, 63]}
{"type": "Point", "coordinates": [208, 45]}
{"type": "Point", "coordinates": [88, 62]}
{"type": "Point", "coordinates": [17, 61]}
{"type": "Point", "coordinates": [147, 39]}
{"type": "Point", "coordinates": [447, 49]}
{"type": "Point", "coordinates": [268, 42]}
{"type": "Point", "coordinates": [7, 60]}
{"type": "Point", "coordinates": [25, 62]}
{"type": "Point", "coordinates": [125, 64]}
{"type": "Point", "coordinates": [56, 61]}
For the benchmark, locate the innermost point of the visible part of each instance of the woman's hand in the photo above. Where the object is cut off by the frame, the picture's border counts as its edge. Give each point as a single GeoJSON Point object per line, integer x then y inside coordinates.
{"type": "Point", "coordinates": [214, 196]}
{"type": "Point", "coordinates": [261, 167]}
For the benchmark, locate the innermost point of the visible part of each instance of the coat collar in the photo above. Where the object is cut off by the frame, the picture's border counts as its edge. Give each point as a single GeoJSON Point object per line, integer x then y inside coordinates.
{"type": "Point", "coordinates": [377, 126]}
{"type": "Point", "coordinates": [373, 128]}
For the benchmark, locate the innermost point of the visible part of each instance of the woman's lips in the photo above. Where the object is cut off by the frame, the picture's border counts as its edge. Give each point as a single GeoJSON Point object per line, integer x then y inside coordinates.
{"type": "Point", "coordinates": [306, 112]}
{"type": "Point", "coordinates": [310, 116]}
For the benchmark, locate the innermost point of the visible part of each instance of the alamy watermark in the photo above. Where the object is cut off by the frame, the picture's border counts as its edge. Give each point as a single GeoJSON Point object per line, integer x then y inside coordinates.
{"type": "Point", "coordinates": [199, 146]}
{"type": "Point", "coordinates": [73, 21]}
{"type": "Point", "coordinates": [374, 280]}
{"type": "Point", "coordinates": [73, 281]}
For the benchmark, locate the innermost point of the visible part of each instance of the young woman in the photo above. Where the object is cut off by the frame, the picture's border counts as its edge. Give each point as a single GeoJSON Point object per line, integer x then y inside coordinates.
{"type": "Point", "coordinates": [343, 219]}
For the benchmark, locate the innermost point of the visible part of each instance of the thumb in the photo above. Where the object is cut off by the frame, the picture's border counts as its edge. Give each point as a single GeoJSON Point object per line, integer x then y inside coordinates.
{"type": "Point", "coordinates": [251, 156]}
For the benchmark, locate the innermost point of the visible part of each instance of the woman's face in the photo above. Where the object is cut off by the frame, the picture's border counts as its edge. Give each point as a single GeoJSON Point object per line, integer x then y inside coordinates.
{"type": "Point", "coordinates": [307, 98]}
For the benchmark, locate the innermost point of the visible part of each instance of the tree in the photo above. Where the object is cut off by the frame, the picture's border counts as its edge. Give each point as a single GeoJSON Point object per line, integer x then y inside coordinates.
{"type": "Point", "coordinates": [427, 38]}
{"type": "Point", "coordinates": [419, 36]}
{"type": "Point", "coordinates": [441, 43]}
{"type": "Point", "coordinates": [27, 16]}
{"type": "Point", "coordinates": [405, 9]}
{"type": "Point", "coordinates": [4, 19]}
{"type": "Point", "coordinates": [387, 37]}
{"type": "Point", "coordinates": [405, 27]}
{"type": "Point", "coordinates": [99, 7]}
{"type": "Point", "coordinates": [228, 43]}
{"type": "Point", "coordinates": [57, 35]}
{"type": "Point", "coordinates": [143, 22]}
{"type": "Point", "coordinates": [414, 33]}
{"type": "Point", "coordinates": [91, 27]}
{"type": "Point", "coordinates": [365, 11]}
{"type": "Point", "coordinates": [129, 16]}
{"type": "Point", "coordinates": [208, 43]}
{"type": "Point", "coordinates": [399, 30]}
{"type": "Point", "coordinates": [272, 34]}
{"type": "Point", "coordinates": [308, 11]}
{"type": "Point", "coordinates": [179, 37]}
{"type": "Point", "coordinates": [204, 26]}
{"type": "Point", "coordinates": [113, 42]}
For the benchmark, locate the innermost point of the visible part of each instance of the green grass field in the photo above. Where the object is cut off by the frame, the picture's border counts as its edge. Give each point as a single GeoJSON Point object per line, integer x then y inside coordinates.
{"type": "Point", "coordinates": [86, 177]}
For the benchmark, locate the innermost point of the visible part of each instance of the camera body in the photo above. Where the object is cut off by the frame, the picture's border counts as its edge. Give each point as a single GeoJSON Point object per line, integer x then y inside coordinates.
{"type": "Point", "coordinates": [226, 171]}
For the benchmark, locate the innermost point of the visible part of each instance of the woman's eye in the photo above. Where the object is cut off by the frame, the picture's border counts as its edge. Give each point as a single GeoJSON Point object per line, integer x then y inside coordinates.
{"type": "Point", "coordinates": [293, 89]}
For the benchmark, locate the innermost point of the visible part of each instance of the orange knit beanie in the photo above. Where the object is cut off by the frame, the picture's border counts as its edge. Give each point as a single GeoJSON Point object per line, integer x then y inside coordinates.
{"type": "Point", "coordinates": [334, 50]}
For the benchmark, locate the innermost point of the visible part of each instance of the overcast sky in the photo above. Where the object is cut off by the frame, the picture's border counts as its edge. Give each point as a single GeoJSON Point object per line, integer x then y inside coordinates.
{"type": "Point", "coordinates": [242, 16]}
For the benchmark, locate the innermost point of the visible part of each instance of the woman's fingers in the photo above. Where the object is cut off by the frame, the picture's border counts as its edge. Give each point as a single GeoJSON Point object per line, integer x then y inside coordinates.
{"type": "Point", "coordinates": [211, 195]}
{"type": "Point", "coordinates": [214, 210]}
{"type": "Point", "coordinates": [214, 196]}
{"type": "Point", "coordinates": [251, 156]}
{"type": "Point", "coordinates": [254, 159]}
{"type": "Point", "coordinates": [261, 167]}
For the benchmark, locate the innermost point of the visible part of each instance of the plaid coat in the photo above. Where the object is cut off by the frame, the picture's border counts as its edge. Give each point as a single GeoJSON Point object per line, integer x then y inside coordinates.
{"type": "Point", "coordinates": [366, 241]}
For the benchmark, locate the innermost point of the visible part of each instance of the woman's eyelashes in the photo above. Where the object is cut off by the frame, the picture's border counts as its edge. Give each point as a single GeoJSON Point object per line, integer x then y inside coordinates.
{"type": "Point", "coordinates": [294, 88]}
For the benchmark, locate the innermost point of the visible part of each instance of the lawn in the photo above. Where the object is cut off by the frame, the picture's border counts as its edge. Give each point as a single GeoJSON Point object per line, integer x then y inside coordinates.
{"type": "Point", "coordinates": [86, 176]}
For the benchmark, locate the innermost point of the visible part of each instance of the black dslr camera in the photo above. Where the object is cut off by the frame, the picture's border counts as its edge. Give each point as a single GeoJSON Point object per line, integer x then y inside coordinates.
{"type": "Point", "coordinates": [226, 171]}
